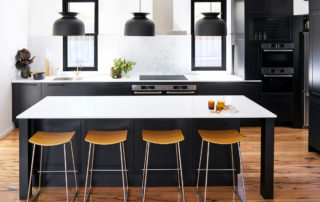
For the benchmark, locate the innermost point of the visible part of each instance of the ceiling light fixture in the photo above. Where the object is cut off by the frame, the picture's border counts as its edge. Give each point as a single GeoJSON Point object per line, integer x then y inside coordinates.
{"type": "Point", "coordinates": [139, 25]}
{"type": "Point", "coordinates": [211, 25]}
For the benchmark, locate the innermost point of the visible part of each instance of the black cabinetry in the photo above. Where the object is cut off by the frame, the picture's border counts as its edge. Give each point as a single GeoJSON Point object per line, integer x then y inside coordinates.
{"type": "Point", "coordinates": [270, 7]}
{"type": "Point", "coordinates": [314, 125]}
{"type": "Point", "coordinates": [314, 139]}
{"type": "Point", "coordinates": [252, 60]}
{"type": "Point", "coordinates": [281, 104]}
{"type": "Point", "coordinates": [314, 5]}
{"type": "Point", "coordinates": [23, 97]}
{"type": "Point", "coordinates": [59, 89]}
{"type": "Point", "coordinates": [315, 50]}
{"type": "Point", "coordinates": [265, 21]}
{"type": "Point", "coordinates": [96, 89]}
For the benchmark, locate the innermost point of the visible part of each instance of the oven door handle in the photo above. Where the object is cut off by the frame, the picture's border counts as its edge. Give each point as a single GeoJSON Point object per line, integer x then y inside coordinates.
{"type": "Point", "coordinates": [147, 92]}
{"type": "Point", "coordinates": [278, 76]}
{"type": "Point", "coordinates": [180, 92]}
{"type": "Point", "coordinates": [280, 50]}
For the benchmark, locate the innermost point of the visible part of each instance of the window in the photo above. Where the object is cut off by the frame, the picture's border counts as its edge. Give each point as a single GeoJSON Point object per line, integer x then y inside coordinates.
{"type": "Point", "coordinates": [82, 49]}
{"type": "Point", "coordinates": [208, 52]}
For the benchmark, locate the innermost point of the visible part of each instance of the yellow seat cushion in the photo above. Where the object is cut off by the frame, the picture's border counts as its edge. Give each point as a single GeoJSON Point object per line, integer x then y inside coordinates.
{"type": "Point", "coordinates": [106, 137]}
{"type": "Point", "coordinates": [51, 138]}
{"type": "Point", "coordinates": [221, 136]}
{"type": "Point", "coordinates": [162, 137]}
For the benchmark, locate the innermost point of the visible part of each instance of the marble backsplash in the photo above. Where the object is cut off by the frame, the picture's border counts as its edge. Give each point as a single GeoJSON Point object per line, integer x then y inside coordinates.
{"type": "Point", "coordinates": [154, 55]}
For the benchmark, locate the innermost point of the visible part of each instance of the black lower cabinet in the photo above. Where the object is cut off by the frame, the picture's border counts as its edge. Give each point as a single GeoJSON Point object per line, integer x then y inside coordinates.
{"type": "Point", "coordinates": [55, 89]}
{"type": "Point", "coordinates": [24, 95]}
{"type": "Point", "coordinates": [314, 127]}
{"type": "Point", "coordinates": [100, 89]}
{"type": "Point", "coordinates": [281, 104]}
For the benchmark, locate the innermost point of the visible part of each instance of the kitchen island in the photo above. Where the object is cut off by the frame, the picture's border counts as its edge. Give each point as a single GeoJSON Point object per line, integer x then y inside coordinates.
{"type": "Point", "coordinates": [134, 113]}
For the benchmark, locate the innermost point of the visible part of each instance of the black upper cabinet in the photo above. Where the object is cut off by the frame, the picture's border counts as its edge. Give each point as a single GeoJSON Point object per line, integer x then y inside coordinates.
{"type": "Point", "coordinates": [274, 8]}
{"type": "Point", "coordinates": [280, 8]}
{"type": "Point", "coordinates": [314, 5]}
{"type": "Point", "coordinates": [252, 60]}
{"type": "Point", "coordinates": [315, 51]}
{"type": "Point", "coordinates": [257, 7]}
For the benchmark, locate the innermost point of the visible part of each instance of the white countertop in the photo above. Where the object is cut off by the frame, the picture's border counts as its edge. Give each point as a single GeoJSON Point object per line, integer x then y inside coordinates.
{"type": "Point", "coordinates": [107, 78]}
{"type": "Point", "coordinates": [141, 107]}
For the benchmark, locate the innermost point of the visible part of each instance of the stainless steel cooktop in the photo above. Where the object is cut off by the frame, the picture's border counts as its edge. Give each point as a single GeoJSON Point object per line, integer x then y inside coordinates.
{"type": "Point", "coordinates": [163, 77]}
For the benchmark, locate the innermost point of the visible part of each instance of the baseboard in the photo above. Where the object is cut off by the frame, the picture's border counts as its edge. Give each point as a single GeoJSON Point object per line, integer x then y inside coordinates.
{"type": "Point", "coordinates": [7, 131]}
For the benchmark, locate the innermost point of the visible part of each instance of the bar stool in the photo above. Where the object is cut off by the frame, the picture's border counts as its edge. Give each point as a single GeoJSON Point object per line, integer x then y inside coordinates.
{"type": "Point", "coordinates": [162, 138]}
{"type": "Point", "coordinates": [50, 139]}
{"type": "Point", "coordinates": [221, 137]}
{"type": "Point", "coordinates": [107, 138]}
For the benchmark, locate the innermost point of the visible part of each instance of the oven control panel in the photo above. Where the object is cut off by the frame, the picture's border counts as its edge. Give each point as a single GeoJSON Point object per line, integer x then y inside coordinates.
{"type": "Point", "coordinates": [277, 71]}
{"type": "Point", "coordinates": [164, 89]}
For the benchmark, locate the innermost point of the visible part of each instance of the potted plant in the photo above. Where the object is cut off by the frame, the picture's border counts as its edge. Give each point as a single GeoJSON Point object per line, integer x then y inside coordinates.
{"type": "Point", "coordinates": [23, 61]}
{"type": "Point", "coordinates": [121, 66]}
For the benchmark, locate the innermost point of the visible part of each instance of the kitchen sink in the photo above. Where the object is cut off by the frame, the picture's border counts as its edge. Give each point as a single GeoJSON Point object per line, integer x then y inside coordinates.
{"type": "Point", "coordinates": [63, 78]}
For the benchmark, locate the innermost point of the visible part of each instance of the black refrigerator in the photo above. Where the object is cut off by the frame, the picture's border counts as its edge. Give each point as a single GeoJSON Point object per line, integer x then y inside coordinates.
{"type": "Point", "coordinates": [314, 72]}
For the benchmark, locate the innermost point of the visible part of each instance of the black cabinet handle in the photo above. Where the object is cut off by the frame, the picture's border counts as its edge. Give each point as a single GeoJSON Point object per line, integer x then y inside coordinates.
{"type": "Point", "coordinates": [56, 84]}
{"type": "Point", "coordinates": [30, 84]}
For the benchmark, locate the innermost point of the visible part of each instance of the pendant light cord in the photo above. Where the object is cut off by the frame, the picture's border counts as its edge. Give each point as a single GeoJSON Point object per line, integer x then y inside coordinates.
{"type": "Point", "coordinates": [210, 7]}
{"type": "Point", "coordinates": [140, 6]}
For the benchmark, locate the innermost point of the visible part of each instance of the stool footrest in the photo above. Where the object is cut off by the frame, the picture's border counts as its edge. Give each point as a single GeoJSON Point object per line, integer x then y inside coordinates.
{"type": "Point", "coordinates": [56, 171]}
{"type": "Point", "coordinates": [169, 169]}
{"type": "Point", "coordinates": [107, 170]}
{"type": "Point", "coordinates": [218, 169]}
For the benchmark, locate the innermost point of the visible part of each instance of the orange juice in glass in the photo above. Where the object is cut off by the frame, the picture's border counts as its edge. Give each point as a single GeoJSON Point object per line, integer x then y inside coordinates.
{"type": "Point", "coordinates": [211, 104]}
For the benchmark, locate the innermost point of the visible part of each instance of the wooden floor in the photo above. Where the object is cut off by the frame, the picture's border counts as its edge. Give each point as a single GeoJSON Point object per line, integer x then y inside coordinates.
{"type": "Point", "coordinates": [297, 173]}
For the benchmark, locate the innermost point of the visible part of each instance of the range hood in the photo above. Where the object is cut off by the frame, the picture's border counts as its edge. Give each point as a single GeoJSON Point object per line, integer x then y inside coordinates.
{"type": "Point", "coordinates": [164, 19]}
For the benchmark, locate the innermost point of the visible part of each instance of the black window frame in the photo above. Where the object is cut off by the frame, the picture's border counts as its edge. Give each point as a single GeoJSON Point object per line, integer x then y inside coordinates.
{"type": "Point", "coordinates": [65, 8]}
{"type": "Point", "coordinates": [224, 40]}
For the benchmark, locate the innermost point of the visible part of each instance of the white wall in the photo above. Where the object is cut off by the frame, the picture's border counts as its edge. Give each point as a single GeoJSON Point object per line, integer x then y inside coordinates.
{"type": "Point", "coordinates": [301, 7]}
{"type": "Point", "coordinates": [162, 54]}
{"type": "Point", "coordinates": [14, 18]}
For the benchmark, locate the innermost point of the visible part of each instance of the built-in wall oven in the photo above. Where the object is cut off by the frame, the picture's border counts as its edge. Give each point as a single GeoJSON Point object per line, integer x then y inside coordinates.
{"type": "Point", "coordinates": [277, 67]}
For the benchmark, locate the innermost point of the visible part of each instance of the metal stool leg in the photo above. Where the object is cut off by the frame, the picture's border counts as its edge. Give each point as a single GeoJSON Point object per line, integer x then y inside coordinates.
{"type": "Point", "coordinates": [125, 168]}
{"type": "Point", "coordinates": [122, 173]}
{"type": "Point", "coordinates": [74, 172]}
{"type": "Point", "coordinates": [206, 183]}
{"type": "Point", "coordinates": [242, 176]}
{"type": "Point", "coordinates": [91, 174]}
{"type": "Point", "coordinates": [40, 172]}
{"type": "Point", "coordinates": [144, 167]}
{"type": "Point", "coordinates": [87, 174]}
{"type": "Point", "coordinates": [146, 172]}
{"type": "Point", "coordinates": [198, 177]}
{"type": "Point", "coordinates": [66, 171]}
{"type": "Point", "coordinates": [233, 174]}
{"type": "Point", "coordinates": [31, 170]}
{"type": "Point", "coordinates": [180, 167]}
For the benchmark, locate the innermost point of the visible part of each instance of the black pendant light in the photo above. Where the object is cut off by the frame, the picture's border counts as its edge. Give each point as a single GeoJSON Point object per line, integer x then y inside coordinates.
{"type": "Point", "coordinates": [68, 25]}
{"type": "Point", "coordinates": [139, 25]}
{"type": "Point", "coordinates": [211, 25]}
